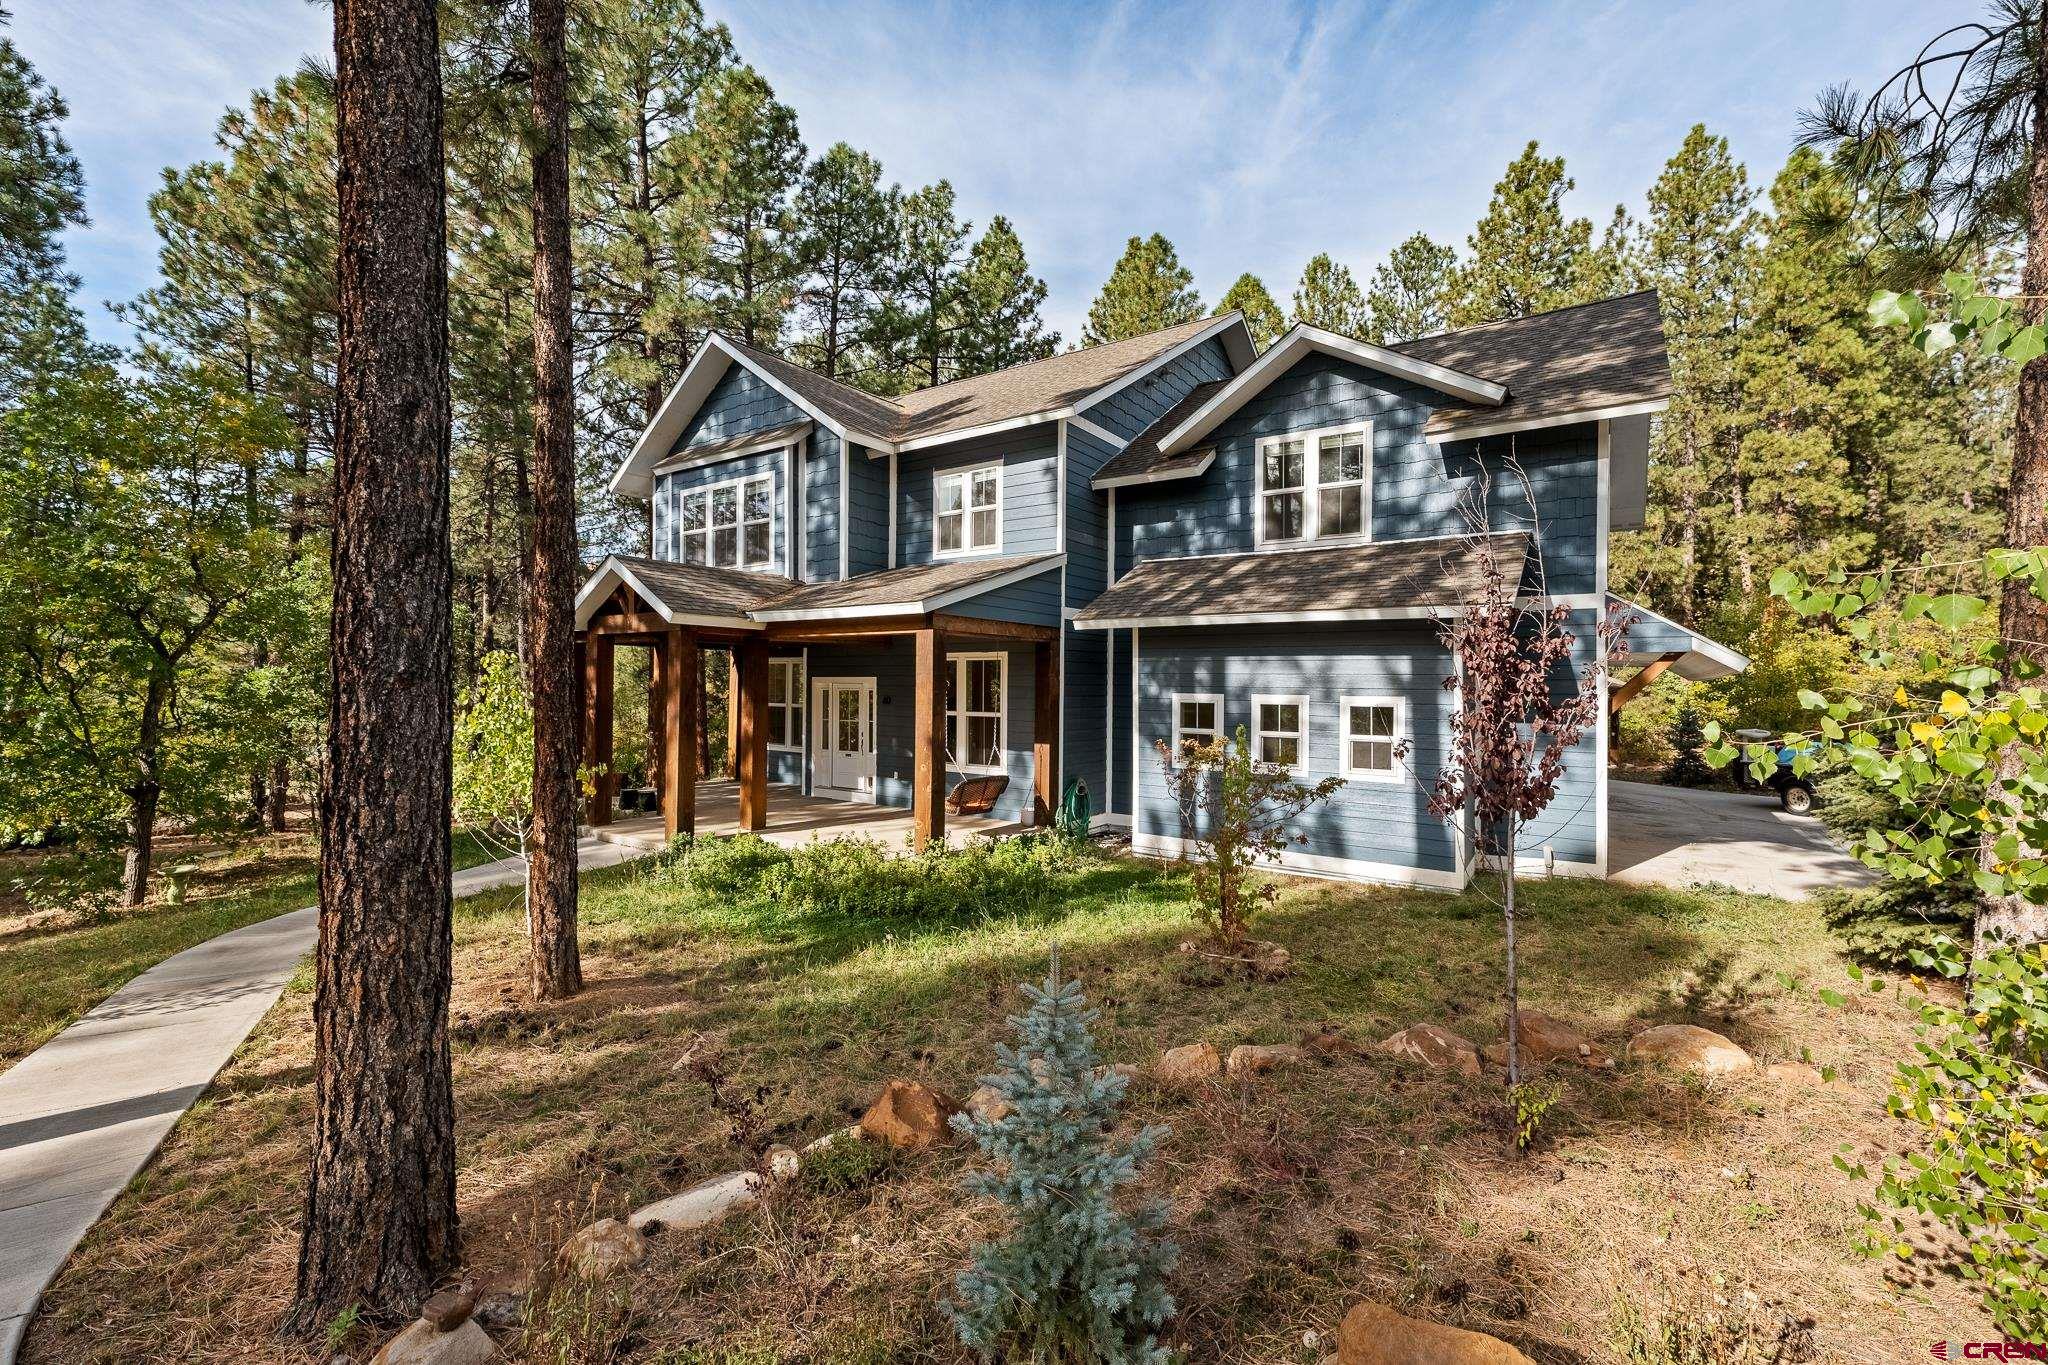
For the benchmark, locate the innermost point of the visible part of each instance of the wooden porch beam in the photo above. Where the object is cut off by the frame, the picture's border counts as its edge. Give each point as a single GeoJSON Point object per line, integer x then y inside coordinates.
{"type": "Point", "coordinates": [597, 716]}
{"type": "Point", "coordinates": [927, 727]}
{"type": "Point", "coordinates": [825, 632]}
{"type": "Point", "coordinates": [1649, 673]}
{"type": "Point", "coordinates": [1045, 733]}
{"type": "Point", "coordinates": [992, 630]}
{"type": "Point", "coordinates": [751, 742]}
{"type": "Point", "coordinates": [630, 623]}
{"type": "Point", "coordinates": [679, 685]}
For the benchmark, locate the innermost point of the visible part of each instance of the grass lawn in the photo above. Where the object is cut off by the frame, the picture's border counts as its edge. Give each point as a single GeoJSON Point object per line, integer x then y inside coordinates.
{"type": "Point", "coordinates": [55, 966]}
{"type": "Point", "coordinates": [1654, 1208]}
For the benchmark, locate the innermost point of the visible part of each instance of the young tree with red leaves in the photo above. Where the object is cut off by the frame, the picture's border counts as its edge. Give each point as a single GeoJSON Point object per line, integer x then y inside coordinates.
{"type": "Point", "coordinates": [1515, 726]}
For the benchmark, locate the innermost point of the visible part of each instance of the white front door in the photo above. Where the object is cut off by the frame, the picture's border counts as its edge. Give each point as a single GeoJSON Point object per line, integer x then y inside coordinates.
{"type": "Point", "coordinates": [843, 736]}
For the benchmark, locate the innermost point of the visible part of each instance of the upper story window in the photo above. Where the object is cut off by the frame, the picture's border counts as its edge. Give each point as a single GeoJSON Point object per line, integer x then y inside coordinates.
{"type": "Point", "coordinates": [729, 525]}
{"type": "Point", "coordinates": [967, 511]}
{"type": "Point", "coordinates": [1315, 485]}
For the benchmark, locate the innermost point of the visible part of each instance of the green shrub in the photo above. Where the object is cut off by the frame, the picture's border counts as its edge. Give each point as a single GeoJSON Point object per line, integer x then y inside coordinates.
{"type": "Point", "coordinates": [1887, 923]}
{"type": "Point", "coordinates": [845, 1165]}
{"type": "Point", "coordinates": [1688, 734]}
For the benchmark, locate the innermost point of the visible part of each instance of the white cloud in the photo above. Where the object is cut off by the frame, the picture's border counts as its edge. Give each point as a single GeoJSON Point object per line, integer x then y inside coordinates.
{"type": "Point", "coordinates": [1253, 135]}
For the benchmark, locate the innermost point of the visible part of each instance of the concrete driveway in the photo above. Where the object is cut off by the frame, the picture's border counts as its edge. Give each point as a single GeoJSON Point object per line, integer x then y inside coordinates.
{"type": "Point", "coordinates": [1675, 836]}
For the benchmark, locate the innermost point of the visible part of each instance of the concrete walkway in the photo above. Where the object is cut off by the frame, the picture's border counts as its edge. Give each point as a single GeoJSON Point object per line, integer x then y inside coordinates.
{"type": "Point", "coordinates": [83, 1113]}
{"type": "Point", "coordinates": [1675, 836]}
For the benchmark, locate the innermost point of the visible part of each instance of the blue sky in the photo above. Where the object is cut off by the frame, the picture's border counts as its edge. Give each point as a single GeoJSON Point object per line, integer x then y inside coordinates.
{"type": "Point", "coordinates": [1252, 135]}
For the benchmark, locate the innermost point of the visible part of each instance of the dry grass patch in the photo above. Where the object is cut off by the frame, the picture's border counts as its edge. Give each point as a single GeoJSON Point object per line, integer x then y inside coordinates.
{"type": "Point", "coordinates": [1658, 1220]}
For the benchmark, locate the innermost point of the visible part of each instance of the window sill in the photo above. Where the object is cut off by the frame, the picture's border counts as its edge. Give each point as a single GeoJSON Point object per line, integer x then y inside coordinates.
{"type": "Point", "coordinates": [1377, 779]}
{"type": "Point", "coordinates": [785, 748]}
{"type": "Point", "coordinates": [968, 554]}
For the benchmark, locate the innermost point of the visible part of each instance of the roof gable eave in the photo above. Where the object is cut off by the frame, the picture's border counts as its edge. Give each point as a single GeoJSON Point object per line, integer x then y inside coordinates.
{"type": "Point", "coordinates": [1296, 344]}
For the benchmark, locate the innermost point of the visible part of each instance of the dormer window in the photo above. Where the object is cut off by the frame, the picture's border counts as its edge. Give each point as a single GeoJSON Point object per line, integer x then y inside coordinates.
{"type": "Point", "coordinates": [730, 525]}
{"type": "Point", "coordinates": [967, 511]}
{"type": "Point", "coordinates": [1315, 485]}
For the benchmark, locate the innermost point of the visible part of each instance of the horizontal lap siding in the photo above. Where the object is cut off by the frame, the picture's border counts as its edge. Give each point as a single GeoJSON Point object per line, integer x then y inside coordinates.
{"type": "Point", "coordinates": [1569, 827]}
{"type": "Point", "coordinates": [1419, 488]}
{"type": "Point", "coordinates": [1119, 764]}
{"type": "Point", "coordinates": [1034, 601]}
{"type": "Point", "coordinates": [1030, 458]}
{"type": "Point", "coordinates": [1087, 519]}
{"type": "Point", "coordinates": [867, 512]}
{"type": "Point", "coordinates": [1649, 636]}
{"type": "Point", "coordinates": [821, 507]}
{"type": "Point", "coordinates": [1084, 752]}
{"type": "Point", "coordinates": [1364, 821]}
{"type": "Point", "coordinates": [891, 663]}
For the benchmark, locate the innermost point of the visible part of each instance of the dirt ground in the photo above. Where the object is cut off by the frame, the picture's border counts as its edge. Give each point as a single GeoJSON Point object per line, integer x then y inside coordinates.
{"type": "Point", "coordinates": [1658, 1219]}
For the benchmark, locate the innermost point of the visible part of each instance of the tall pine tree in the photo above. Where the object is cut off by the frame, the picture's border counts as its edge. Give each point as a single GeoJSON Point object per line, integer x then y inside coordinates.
{"type": "Point", "coordinates": [1329, 298]}
{"type": "Point", "coordinates": [1147, 290]}
{"type": "Point", "coordinates": [1411, 292]}
{"type": "Point", "coordinates": [1261, 315]}
{"type": "Point", "coordinates": [748, 158]}
{"type": "Point", "coordinates": [999, 302]}
{"type": "Point", "coordinates": [934, 258]}
{"type": "Point", "coordinates": [849, 228]}
{"type": "Point", "coordinates": [1526, 255]}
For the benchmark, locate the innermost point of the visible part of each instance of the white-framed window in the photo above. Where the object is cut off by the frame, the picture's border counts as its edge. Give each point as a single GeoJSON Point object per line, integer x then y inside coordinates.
{"type": "Point", "coordinates": [967, 511]}
{"type": "Point", "coordinates": [729, 525]}
{"type": "Point", "coordinates": [1279, 728]}
{"type": "Point", "coordinates": [786, 704]}
{"type": "Point", "coordinates": [1371, 731]}
{"type": "Point", "coordinates": [977, 712]}
{"type": "Point", "coordinates": [1316, 485]}
{"type": "Point", "coordinates": [1197, 719]}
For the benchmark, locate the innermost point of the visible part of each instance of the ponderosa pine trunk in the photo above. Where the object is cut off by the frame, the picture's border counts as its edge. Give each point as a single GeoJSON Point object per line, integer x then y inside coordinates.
{"type": "Point", "coordinates": [379, 1227]}
{"type": "Point", "coordinates": [144, 792]}
{"type": "Point", "coordinates": [2022, 617]}
{"type": "Point", "coordinates": [554, 968]}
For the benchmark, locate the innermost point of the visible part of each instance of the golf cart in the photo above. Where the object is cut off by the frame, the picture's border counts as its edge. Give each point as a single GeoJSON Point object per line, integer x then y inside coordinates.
{"type": "Point", "coordinates": [1795, 793]}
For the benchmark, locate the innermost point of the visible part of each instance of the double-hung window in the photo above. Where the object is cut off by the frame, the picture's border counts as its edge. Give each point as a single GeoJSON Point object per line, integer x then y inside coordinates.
{"type": "Point", "coordinates": [1372, 731]}
{"type": "Point", "coordinates": [1197, 721]}
{"type": "Point", "coordinates": [1315, 485]}
{"type": "Point", "coordinates": [967, 511]}
{"type": "Point", "coordinates": [977, 712]}
{"type": "Point", "coordinates": [1279, 724]}
{"type": "Point", "coordinates": [730, 525]}
{"type": "Point", "coordinates": [786, 704]}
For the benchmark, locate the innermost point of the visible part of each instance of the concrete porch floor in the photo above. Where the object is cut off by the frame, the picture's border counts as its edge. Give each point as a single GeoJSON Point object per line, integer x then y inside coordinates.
{"type": "Point", "coordinates": [794, 818]}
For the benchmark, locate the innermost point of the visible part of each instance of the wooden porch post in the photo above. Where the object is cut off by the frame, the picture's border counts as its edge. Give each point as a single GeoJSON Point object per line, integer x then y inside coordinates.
{"type": "Point", "coordinates": [597, 700]}
{"type": "Point", "coordinates": [680, 703]}
{"type": "Point", "coordinates": [928, 722]}
{"type": "Point", "coordinates": [1045, 732]}
{"type": "Point", "coordinates": [750, 746]}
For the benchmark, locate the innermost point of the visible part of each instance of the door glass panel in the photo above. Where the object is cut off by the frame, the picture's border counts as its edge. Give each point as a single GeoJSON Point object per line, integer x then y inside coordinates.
{"type": "Point", "coordinates": [847, 706]}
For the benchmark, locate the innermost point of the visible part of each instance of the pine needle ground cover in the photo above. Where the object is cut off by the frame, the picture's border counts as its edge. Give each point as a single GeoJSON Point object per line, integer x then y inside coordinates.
{"type": "Point", "coordinates": [1654, 1215]}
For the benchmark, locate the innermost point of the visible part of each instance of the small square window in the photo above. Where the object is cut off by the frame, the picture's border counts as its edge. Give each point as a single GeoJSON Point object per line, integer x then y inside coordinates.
{"type": "Point", "coordinates": [1373, 737]}
{"type": "Point", "coordinates": [1197, 721]}
{"type": "Point", "coordinates": [1278, 726]}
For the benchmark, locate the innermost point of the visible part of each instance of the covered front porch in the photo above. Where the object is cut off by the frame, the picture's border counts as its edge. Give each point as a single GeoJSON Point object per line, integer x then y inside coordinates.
{"type": "Point", "coordinates": [909, 714]}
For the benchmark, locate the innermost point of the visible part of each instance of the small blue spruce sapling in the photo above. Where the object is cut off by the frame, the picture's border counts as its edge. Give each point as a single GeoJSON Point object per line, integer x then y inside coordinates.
{"type": "Point", "coordinates": [1077, 1279]}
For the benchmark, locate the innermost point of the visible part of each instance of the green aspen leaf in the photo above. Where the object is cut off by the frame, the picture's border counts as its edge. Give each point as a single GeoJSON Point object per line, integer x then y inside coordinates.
{"type": "Point", "coordinates": [1783, 582]}
{"type": "Point", "coordinates": [2024, 345]}
{"type": "Point", "coordinates": [1960, 284]}
{"type": "Point", "coordinates": [1937, 337]}
{"type": "Point", "coordinates": [1954, 610]}
{"type": "Point", "coordinates": [1889, 308]}
{"type": "Point", "coordinates": [1811, 700]}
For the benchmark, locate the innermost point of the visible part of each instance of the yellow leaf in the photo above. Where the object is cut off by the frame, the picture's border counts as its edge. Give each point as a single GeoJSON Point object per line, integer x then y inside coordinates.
{"type": "Point", "coordinates": [1899, 695]}
{"type": "Point", "coordinates": [1952, 704]}
{"type": "Point", "coordinates": [1922, 731]}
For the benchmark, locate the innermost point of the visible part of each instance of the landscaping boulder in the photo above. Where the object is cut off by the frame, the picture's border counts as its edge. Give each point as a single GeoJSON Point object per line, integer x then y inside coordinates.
{"type": "Point", "coordinates": [1330, 1043]}
{"type": "Point", "coordinates": [502, 1311]}
{"type": "Point", "coordinates": [1271, 961]}
{"type": "Point", "coordinates": [1549, 1039]}
{"type": "Point", "coordinates": [781, 1163]}
{"type": "Point", "coordinates": [1189, 1063]}
{"type": "Point", "coordinates": [910, 1115]}
{"type": "Point", "coordinates": [1374, 1334]}
{"type": "Point", "coordinates": [604, 1249]}
{"type": "Point", "coordinates": [704, 1203]}
{"type": "Point", "coordinates": [1689, 1048]}
{"type": "Point", "coordinates": [450, 1308]}
{"type": "Point", "coordinates": [1248, 1059]}
{"type": "Point", "coordinates": [422, 1343]}
{"type": "Point", "coordinates": [1435, 1047]}
{"type": "Point", "coordinates": [987, 1104]}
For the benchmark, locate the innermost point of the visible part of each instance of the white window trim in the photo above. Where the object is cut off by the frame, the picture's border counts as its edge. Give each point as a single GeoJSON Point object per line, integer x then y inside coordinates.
{"type": "Point", "coordinates": [710, 492]}
{"type": "Point", "coordinates": [1311, 466]}
{"type": "Point", "coordinates": [1300, 736]}
{"type": "Point", "coordinates": [796, 703]}
{"type": "Point", "coordinates": [966, 473]}
{"type": "Point", "coordinates": [956, 721]}
{"type": "Point", "coordinates": [1399, 737]}
{"type": "Point", "coordinates": [1221, 731]}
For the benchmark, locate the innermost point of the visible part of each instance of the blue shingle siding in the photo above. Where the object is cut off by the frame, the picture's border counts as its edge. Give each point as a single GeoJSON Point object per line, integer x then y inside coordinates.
{"type": "Point", "coordinates": [890, 662]}
{"type": "Point", "coordinates": [1651, 636]}
{"type": "Point", "coordinates": [1030, 460]}
{"type": "Point", "coordinates": [867, 512]}
{"type": "Point", "coordinates": [1419, 488]}
{"type": "Point", "coordinates": [821, 506]}
{"type": "Point", "coordinates": [1388, 824]}
{"type": "Point", "coordinates": [1134, 407]}
{"type": "Point", "coordinates": [669, 490]}
{"type": "Point", "coordinates": [740, 402]}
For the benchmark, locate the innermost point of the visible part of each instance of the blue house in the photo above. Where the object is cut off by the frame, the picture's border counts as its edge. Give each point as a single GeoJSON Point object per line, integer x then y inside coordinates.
{"type": "Point", "coordinates": [1040, 575]}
